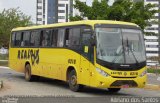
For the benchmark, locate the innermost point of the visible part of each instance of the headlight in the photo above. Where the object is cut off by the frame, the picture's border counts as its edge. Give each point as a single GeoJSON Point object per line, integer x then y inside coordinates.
{"type": "Point", "coordinates": [103, 73]}
{"type": "Point", "coordinates": [143, 73]}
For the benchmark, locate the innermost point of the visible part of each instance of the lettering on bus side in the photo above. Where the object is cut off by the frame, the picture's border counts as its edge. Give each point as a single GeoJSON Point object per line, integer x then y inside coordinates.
{"type": "Point", "coordinates": [71, 61]}
{"type": "Point", "coordinates": [29, 54]}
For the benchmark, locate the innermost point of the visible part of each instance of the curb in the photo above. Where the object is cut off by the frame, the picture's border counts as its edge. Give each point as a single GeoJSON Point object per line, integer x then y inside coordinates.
{"type": "Point", "coordinates": [3, 60]}
{"type": "Point", "coordinates": [152, 87]}
{"type": "Point", "coordinates": [153, 74]}
{"type": "Point", "coordinates": [1, 84]}
{"type": "Point", "coordinates": [4, 67]}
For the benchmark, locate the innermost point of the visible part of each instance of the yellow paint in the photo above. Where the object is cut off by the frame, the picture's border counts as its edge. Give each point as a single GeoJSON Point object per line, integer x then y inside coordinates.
{"type": "Point", "coordinates": [53, 62]}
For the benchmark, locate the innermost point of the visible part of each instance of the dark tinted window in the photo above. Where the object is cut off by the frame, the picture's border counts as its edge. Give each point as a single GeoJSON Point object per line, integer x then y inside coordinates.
{"type": "Point", "coordinates": [54, 38]}
{"type": "Point", "coordinates": [18, 39]}
{"type": "Point", "coordinates": [46, 36]}
{"type": "Point", "coordinates": [13, 39]}
{"type": "Point", "coordinates": [73, 38]}
{"type": "Point", "coordinates": [61, 5]}
{"type": "Point", "coordinates": [67, 33]}
{"type": "Point", "coordinates": [25, 39]}
{"type": "Point", "coordinates": [61, 34]}
{"type": "Point", "coordinates": [35, 38]}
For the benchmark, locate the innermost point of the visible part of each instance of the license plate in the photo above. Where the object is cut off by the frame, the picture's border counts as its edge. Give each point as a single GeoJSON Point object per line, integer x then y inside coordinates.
{"type": "Point", "coordinates": [125, 86]}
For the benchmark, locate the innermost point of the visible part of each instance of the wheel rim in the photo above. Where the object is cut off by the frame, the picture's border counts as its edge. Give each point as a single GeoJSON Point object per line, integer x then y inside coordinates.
{"type": "Point", "coordinates": [73, 80]}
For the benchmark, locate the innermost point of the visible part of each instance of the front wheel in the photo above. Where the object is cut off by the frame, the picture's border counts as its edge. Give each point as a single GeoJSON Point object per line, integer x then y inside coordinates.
{"type": "Point", "coordinates": [28, 75]}
{"type": "Point", "coordinates": [73, 82]}
{"type": "Point", "coordinates": [114, 90]}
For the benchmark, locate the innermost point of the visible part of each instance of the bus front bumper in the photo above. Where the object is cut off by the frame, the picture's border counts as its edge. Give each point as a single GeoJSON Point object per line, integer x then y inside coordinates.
{"type": "Point", "coordinates": [113, 82]}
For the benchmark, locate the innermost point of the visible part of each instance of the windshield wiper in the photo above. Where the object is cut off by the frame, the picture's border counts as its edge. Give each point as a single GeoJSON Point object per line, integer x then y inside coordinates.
{"type": "Point", "coordinates": [129, 49]}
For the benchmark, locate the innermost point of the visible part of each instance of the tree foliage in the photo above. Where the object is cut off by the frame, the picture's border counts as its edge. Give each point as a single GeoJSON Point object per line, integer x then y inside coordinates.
{"type": "Point", "coordinates": [121, 10]}
{"type": "Point", "coordinates": [10, 19]}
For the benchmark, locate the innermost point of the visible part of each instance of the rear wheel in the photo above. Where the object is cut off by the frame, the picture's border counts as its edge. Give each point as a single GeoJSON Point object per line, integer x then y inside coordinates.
{"type": "Point", "coordinates": [73, 82]}
{"type": "Point", "coordinates": [28, 75]}
{"type": "Point", "coordinates": [114, 90]}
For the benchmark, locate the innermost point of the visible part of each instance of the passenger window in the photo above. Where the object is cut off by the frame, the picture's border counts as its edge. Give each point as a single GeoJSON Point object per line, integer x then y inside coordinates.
{"type": "Point", "coordinates": [13, 39]}
{"type": "Point", "coordinates": [61, 33]}
{"type": "Point", "coordinates": [72, 38]}
{"type": "Point", "coordinates": [75, 37]}
{"type": "Point", "coordinates": [26, 39]}
{"type": "Point", "coordinates": [18, 39]}
{"type": "Point", "coordinates": [67, 37]}
{"type": "Point", "coordinates": [35, 38]}
{"type": "Point", "coordinates": [54, 38]}
{"type": "Point", "coordinates": [46, 38]}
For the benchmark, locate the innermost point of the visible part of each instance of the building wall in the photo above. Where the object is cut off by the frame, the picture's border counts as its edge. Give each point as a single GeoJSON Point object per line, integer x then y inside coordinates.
{"type": "Point", "coordinates": [53, 11]}
{"type": "Point", "coordinates": [52, 16]}
{"type": "Point", "coordinates": [63, 10]}
{"type": "Point", "coordinates": [39, 14]}
{"type": "Point", "coordinates": [152, 42]}
{"type": "Point", "coordinates": [154, 26]}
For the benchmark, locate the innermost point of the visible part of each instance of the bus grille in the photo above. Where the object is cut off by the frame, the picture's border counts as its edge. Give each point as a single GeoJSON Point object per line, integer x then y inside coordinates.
{"type": "Point", "coordinates": [130, 83]}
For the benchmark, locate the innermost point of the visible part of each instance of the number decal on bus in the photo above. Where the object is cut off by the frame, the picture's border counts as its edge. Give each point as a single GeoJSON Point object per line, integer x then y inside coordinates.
{"type": "Point", "coordinates": [71, 61]}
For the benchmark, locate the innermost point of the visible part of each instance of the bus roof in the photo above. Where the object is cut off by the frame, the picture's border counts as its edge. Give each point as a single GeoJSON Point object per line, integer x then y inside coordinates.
{"type": "Point", "coordinates": [83, 22]}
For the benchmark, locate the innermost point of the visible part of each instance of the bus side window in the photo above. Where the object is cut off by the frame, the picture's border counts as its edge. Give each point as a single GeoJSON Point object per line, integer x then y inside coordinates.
{"type": "Point", "coordinates": [35, 38]}
{"type": "Point", "coordinates": [26, 38]}
{"type": "Point", "coordinates": [13, 39]}
{"type": "Point", "coordinates": [54, 38]}
{"type": "Point", "coordinates": [46, 38]}
{"type": "Point", "coordinates": [61, 34]}
{"type": "Point", "coordinates": [18, 39]}
{"type": "Point", "coordinates": [74, 38]}
{"type": "Point", "coordinates": [67, 32]}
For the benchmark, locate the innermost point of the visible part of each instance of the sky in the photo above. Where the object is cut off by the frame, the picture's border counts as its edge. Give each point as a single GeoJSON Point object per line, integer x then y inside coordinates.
{"type": "Point", "coordinates": [26, 6]}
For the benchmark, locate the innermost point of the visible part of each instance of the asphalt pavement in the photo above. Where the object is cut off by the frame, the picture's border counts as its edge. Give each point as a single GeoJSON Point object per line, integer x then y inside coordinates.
{"type": "Point", "coordinates": [153, 79]}
{"type": "Point", "coordinates": [14, 84]}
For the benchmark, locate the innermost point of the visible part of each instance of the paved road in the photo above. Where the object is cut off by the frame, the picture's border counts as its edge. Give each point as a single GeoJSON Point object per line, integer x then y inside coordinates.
{"type": "Point", "coordinates": [154, 79]}
{"type": "Point", "coordinates": [14, 84]}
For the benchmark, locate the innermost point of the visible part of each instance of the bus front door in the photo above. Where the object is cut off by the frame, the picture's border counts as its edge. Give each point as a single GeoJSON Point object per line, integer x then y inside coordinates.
{"type": "Point", "coordinates": [85, 59]}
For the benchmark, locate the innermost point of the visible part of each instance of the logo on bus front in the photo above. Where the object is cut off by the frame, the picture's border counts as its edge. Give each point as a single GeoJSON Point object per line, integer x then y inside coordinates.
{"type": "Point", "coordinates": [125, 73]}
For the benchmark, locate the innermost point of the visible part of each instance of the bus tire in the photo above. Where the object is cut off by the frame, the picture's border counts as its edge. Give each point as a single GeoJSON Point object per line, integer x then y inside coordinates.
{"type": "Point", "coordinates": [73, 81]}
{"type": "Point", "coordinates": [114, 90]}
{"type": "Point", "coordinates": [28, 74]}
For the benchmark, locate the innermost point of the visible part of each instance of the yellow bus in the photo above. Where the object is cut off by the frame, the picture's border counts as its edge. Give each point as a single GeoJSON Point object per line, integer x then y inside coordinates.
{"type": "Point", "coordinates": [95, 53]}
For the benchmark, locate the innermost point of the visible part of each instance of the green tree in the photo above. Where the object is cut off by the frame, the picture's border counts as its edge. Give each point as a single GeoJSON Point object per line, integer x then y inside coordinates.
{"type": "Point", "coordinates": [121, 10]}
{"type": "Point", "coordinates": [10, 19]}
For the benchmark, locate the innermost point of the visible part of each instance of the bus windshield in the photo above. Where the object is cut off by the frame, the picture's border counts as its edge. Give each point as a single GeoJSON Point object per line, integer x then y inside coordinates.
{"type": "Point", "coordinates": [120, 45]}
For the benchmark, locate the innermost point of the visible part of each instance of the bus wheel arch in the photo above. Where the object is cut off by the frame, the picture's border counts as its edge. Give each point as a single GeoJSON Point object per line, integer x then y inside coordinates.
{"type": "Point", "coordinates": [27, 62]}
{"type": "Point", "coordinates": [72, 79]}
{"type": "Point", "coordinates": [70, 68]}
{"type": "Point", "coordinates": [28, 73]}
